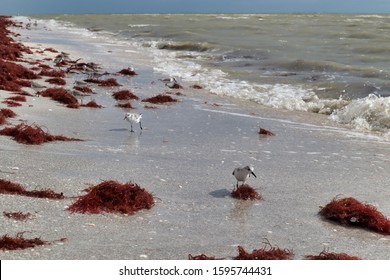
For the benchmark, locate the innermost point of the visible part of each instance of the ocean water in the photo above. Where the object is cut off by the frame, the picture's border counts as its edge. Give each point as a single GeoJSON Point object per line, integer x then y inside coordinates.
{"type": "Point", "coordinates": [337, 65]}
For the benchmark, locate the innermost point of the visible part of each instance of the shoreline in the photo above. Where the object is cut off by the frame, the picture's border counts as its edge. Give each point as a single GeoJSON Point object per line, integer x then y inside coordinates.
{"type": "Point", "coordinates": [185, 156]}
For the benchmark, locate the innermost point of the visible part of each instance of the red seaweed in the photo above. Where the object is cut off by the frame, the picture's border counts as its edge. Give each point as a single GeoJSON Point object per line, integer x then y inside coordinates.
{"type": "Point", "coordinates": [32, 135]}
{"type": "Point", "coordinates": [349, 211]}
{"type": "Point", "coordinates": [273, 253]}
{"type": "Point", "coordinates": [18, 98]}
{"type": "Point", "coordinates": [83, 89]}
{"type": "Point", "coordinates": [159, 99]}
{"type": "Point", "coordinates": [11, 103]}
{"type": "Point", "coordinates": [60, 95]}
{"type": "Point", "coordinates": [111, 196]}
{"type": "Point", "coordinates": [265, 132]}
{"type": "Point", "coordinates": [8, 113]}
{"type": "Point", "coordinates": [246, 192]}
{"type": "Point", "coordinates": [19, 216]}
{"type": "Point", "coordinates": [8, 187]}
{"type": "Point", "coordinates": [201, 257]}
{"type": "Point", "coordinates": [126, 105]}
{"type": "Point", "coordinates": [91, 104]}
{"type": "Point", "coordinates": [56, 81]}
{"type": "Point", "coordinates": [324, 255]}
{"type": "Point", "coordinates": [19, 242]}
{"type": "Point", "coordinates": [109, 83]}
{"type": "Point", "coordinates": [53, 73]}
{"type": "Point", "coordinates": [124, 95]}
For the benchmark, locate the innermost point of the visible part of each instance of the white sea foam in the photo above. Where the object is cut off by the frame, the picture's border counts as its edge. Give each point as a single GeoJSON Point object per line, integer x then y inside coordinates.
{"type": "Point", "coordinates": [369, 113]}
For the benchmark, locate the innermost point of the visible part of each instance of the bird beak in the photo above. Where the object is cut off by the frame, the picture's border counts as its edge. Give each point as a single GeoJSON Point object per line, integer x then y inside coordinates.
{"type": "Point", "coordinates": [253, 174]}
{"type": "Point", "coordinates": [124, 118]}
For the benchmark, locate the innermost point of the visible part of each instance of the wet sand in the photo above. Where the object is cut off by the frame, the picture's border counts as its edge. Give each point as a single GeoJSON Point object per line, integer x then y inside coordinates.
{"type": "Point", "coordinates": [185, 156]}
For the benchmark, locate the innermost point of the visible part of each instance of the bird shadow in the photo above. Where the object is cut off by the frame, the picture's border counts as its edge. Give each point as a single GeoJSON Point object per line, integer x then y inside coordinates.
{"type": "Point", "coordinates": [222, 193]}
{"type": "Point", "coordinates": [118, 129]}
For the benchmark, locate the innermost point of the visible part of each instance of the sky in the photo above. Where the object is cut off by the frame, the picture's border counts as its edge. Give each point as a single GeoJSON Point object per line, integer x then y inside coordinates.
{"type": "Point", "coordinates": [31, 7]}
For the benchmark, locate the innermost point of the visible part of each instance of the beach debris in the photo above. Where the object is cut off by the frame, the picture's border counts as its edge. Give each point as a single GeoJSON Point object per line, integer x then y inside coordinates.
{"type": "Point", "coordinates": [325, 255]}
{"type": "Point", "coordinates": [128, 71]}
{"type": "Point", "coordinates": [246, 192]}
{"type": "Point", "coordinates": [60, 95]}
{"type": "Point", "coordinates": [196, 87]}
{"type": "Point", "coordinates": [11, 103]}
{"type": "Point", "coordinates": [160, 99]}
{"type": "Point", "coordinates": [111, 82]}
{"type": "Point", "coordinates": [124, 95]}
{"type": "Point", "coordinates": [133, 118]}
{"type": "Point", "coordinates": [7, 113]}
{"type": "Point", "coordinates": [10, 49]}
{"type": "Point", "coordinates": [18, 216]}
{"type": "Point", "coordinates": [32, 134]}
{"type": "Point", "coordinates": [13, 76]}
{"type": "Point", "coordinates": [2, 119]}
{"type": "Point", "coordinates": [92, 104]}
{"type": "Point", "coordinates": [265, 132]}
{"type": "Point", "coordinates": [112, 196]}
{"type": "Point", "coordinates": [272, 253]}
{"type": "Point", "coordinates": [8, 187]}
{"type": "Point", "coordinates": [83, 89]}
{"type": "Point", "coordinates": [56, 81]}
{"type": "Point", "coordinates": [52, 73]}
{"type": "Point", "coordinates": [126, 105]}
{"type": "Point", "coordinates": [18, 242]}
{"type": "Point", "coordinates": [201, 257]}
{"type": "Point", "coordinates": [18, 98]}
{"type": "Point", "coordinates": [349, 211]}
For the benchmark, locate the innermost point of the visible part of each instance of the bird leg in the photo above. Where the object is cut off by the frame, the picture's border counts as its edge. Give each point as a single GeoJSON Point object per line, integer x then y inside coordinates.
{"type": "Point", "coordinates": [131, 128]}
{"type": "Point", "coordinates": [140, 126]}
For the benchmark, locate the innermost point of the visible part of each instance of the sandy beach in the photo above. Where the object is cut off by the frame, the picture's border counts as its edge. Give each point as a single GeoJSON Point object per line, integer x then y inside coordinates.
{"type": "Point", "coordinates": [184, 156]}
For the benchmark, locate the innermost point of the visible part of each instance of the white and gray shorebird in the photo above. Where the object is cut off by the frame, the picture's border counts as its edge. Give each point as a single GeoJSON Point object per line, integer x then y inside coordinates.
{"type": "Point", "coordinates": [133, 118]}
{"type": "Point", "coordinates": [166, 81]}
{"type": "Point", "coordinates": [242, 174]}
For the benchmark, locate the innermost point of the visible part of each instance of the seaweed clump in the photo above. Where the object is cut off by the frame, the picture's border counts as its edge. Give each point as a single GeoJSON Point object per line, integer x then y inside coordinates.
{"type": "Point", "coordinates": [349, 211]}
{"type": "Point", "coordinates": [273, 253]}
{"type": "Point", "coordinates": [246, 192]}
{"type": "Point", "coordinates": [111, 196]}
{"type": "Point", "coordinates": [19, 216]}
{"type": "Point", "coordinates": [19, 242]}
{"type": "Point", "coordinates": [92, 104]}
{"type": "Point", "coordinates": [32, 135]}
{"type": "Point", "coordinates": [201, 257]}
{"type": "Point", "coordinates": [324, 255]}
{"type": "Point", "coordinates": [124, 95]}
{"type": "Point", "coordinates": [60, 95]}
{"type": "Point", "coordinates": [159, 99]}
{"type": "Point", "coordinates": [8, 187]}
{"type": "Point", "coordinates": [5, 114]}
{"type": "Point", "coordinates": [265, 132]}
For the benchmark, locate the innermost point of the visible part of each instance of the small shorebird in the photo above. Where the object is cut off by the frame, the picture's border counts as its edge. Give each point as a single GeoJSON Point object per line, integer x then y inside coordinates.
{"type": "Point", "coordinates": [78, 94]}
{"type": "Point", "coordinates": [166, 81]}
{"type": "Point", "coordinates": [37, 86]}
{"type": "Point", "coordinates": [242, 174]}
{"type": "Point", "coordinates": [133, 118]}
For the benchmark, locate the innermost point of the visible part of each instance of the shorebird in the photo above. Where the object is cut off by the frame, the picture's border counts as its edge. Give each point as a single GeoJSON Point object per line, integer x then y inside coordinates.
{"type": "Point", "coordinates": [37, 86]}
{"type": "Point", "coordinates": [242, 174]}
{"type": "Point", "coordinates": [78, 94]}
{"type": "Point", "coordinates": [133, 118]}
{"type": "Point", "coordinates": [166, 81]}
